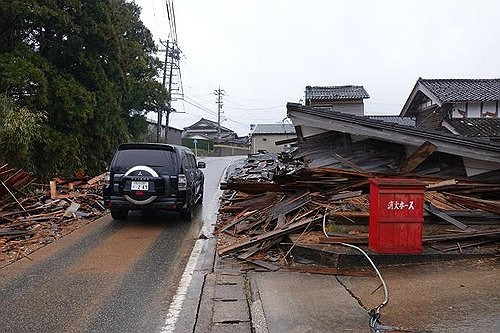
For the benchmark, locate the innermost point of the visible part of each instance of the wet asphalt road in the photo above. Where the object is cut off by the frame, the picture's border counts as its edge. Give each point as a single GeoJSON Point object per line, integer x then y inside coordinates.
{"type": "Point", "coordinates": [109, 276]}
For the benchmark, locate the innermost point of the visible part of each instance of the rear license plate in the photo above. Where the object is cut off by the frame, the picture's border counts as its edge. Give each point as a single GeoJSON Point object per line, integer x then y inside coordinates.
{"type": "Point", "coordinates": [139, 186]}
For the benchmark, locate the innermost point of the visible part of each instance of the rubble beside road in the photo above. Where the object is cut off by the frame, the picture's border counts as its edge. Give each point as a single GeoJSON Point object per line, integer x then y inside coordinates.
{"type": "Point", "coordinates": [273, 204]}
{"type": "Point", "coordinates": [33, 215]}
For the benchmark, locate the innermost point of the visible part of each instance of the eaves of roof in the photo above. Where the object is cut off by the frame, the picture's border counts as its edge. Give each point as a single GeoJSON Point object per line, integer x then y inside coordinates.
{"type": "Point", "coordinates": [473, 143]}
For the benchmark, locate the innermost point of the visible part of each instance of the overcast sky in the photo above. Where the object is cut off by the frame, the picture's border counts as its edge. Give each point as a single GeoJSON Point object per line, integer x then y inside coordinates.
{"type": "Point", "coordinates": [264, 52]}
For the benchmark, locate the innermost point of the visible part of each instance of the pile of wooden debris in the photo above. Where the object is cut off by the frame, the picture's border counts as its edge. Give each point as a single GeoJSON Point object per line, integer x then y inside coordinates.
{"type": "Point", "coordinates": [265, 217]}
{"type": "Point", "coordinates": [31, 218]}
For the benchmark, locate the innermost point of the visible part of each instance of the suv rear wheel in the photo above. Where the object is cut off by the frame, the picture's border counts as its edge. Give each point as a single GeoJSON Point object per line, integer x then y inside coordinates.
{"type": "Point", "coordinates": [119, 214]}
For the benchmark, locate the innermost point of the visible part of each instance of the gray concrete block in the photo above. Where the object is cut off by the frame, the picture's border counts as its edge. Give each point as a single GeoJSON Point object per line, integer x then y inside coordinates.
{"type": "Point", "coordinates": [230, 292]}
{"type": "Point", "coordinates": [243, 327]}
{"type": "Point", "coordinates": [232, 311]}
{"type": "Point", "coordinates": [229, 279]}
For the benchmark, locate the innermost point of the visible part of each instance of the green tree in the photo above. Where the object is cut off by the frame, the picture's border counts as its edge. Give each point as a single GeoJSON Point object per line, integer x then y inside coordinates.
{"type": "Point", "coordinates": [19, 128]}
{"type": "Point", "coordinates": [89, 65]}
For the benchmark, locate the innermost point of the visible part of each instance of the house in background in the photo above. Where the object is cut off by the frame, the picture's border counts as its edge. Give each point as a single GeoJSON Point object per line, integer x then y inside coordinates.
{"type": "Point", "coordinates": [225, 143]}
{"type": "Point", "coordinates": [468, 107]}
{"type": "Point", "coordinates": [344, 99]}
{"type": "Point", "coordinates": [208, 129]}
{"type": "Point", "coordinates": [265, 137]}
{"type": "Point", "coordinates": [201, 145]}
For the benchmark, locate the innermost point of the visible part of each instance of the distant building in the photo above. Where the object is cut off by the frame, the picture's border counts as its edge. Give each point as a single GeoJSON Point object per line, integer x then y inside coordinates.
{"type": "Point", "coordinates": [344, 99]}
{"type": "Point", "coordinates": [209, 129]}
{"type": "Point", "coordinates": [204, 146]}
{"type": "Point", "coordinates": [466, 107]}
{"type": "Point", "coordinates": [265, 136]}
{"type": "Point", "coordinates": [227, 143]}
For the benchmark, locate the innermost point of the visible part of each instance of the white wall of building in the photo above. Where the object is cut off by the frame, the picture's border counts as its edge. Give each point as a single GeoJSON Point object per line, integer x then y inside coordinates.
{"type": "Point", "coordinates": [473, 109]}
{"type": "Point", "coordinates": [267, 142]}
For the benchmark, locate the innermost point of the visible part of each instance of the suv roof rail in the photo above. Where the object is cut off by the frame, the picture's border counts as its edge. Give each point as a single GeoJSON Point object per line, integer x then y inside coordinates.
{"type": "Point", "coordinates": [159, 146]}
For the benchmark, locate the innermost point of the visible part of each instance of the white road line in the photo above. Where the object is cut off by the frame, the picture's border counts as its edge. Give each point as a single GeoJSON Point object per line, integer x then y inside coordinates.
{"type": "Point", "coordinates": [176, 305]}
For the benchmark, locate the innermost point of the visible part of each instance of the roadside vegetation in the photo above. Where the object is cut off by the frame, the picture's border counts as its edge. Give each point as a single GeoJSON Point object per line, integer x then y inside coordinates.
{"type": "Point", "coordinates": [76, 79]}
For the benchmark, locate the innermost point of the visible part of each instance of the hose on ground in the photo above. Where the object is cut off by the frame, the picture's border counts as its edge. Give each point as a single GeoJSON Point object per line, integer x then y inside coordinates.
{"type": "Point", "coordinates": [375, 325]}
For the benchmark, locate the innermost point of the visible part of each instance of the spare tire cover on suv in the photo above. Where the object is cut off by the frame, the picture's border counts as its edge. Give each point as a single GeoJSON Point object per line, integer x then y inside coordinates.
{"type": "Point", "coordinates": [141, 171]}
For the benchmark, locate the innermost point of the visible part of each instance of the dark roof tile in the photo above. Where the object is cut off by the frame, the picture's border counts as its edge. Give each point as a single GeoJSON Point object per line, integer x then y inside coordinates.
{"type": "Point", "coordinates": [336, 92]}
{"type": "Point", "coordinates": [406, 121]}
{"type": "Point", "coordinates": [476, 127]}
{"type": "Point", "coordinates": [463, 90]}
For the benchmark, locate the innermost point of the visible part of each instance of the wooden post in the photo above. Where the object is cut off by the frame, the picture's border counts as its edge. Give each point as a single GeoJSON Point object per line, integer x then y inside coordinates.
{"type": "Point", "coordinates": [53, 189]}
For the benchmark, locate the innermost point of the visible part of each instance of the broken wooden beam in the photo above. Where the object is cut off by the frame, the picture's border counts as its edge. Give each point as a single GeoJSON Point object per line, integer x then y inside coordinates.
{"type": "Point", "coordinates": [487, 205]}
{"type": "Point", "coordinates": [415, 159]}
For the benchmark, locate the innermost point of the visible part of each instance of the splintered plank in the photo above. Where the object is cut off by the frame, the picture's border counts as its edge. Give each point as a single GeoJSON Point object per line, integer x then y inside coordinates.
{"type": "Point", "coordinates": [240, 217]}
{"type": "Point", "coordinates": [251, 187]}
{"type": "Point", "coordinates": [415, 159]}
{"type": "Point", "coordinates": [487, 205]}
{"type": "Point", "coordinates": [463, 235]}
{"type": "Point", "coordinates": [268, 235]}
{"type": "Point", "coordinates": [346, 195]}
{"type": "Point", "coordinates": [289, 205]}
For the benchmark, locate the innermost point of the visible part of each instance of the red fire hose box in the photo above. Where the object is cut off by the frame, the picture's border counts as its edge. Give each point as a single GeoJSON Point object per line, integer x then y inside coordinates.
{"type": "Point", "coordinates": [396, 215]}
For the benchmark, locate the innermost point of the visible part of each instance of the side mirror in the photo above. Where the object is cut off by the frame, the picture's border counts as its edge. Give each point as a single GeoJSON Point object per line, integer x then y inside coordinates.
{"type": "Point", "coordinates": [201, 165]}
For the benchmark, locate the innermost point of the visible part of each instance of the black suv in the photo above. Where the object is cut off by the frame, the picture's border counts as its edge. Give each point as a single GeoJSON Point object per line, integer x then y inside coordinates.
{"type": "Point", "coordinates": [152, 176]}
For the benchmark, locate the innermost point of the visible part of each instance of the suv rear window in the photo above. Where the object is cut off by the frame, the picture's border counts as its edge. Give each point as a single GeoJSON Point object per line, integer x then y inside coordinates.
{"type": "Point", "coordinates": [163, 161]}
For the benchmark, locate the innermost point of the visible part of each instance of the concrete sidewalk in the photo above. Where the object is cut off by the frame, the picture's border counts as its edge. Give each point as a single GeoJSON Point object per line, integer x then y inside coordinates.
{"type": "Point", "coordinates": [461, 296]}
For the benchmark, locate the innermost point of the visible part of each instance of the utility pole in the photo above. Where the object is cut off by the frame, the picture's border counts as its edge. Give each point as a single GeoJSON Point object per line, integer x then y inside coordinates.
{"type": "Point", "coordinates": [219, 93]}
{"type": "Point", "coordinates": [160, 111]}
{"type": "Point", "coordinates": [175, 54]}
{"type": "Point", "coordinates": [172, 58]}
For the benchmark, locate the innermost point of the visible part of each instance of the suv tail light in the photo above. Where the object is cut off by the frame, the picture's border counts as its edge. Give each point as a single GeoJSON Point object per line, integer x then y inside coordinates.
{"type": "Point", "coordinates": [182, 182]}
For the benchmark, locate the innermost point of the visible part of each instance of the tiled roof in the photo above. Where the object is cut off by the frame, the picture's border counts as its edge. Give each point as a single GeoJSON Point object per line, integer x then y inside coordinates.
{"type": "Point", "coordinates": [463, 90]}
{"type": "Point", "coordinates": [476, 127]}
{"type": "Point", "coordinates": [480, 143]}
{"type": "Point", "coordinates": [336, 92]}
{"type": "Point", "coordinates": [205, 123]}
{"type": "Point", "coordinates": [406, 121]}
{"type": "Point", "coordinates": [274, 129]}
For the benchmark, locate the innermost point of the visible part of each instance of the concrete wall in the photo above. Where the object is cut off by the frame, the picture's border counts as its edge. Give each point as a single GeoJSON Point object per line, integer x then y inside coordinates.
{"type": "Point", "coordinates": [355, 107]}
{"type": "Point", "coordinates": [174, 136]}
{"type": "Point", "coordinates": [229, 150]}
{"type": "Point", "coordinates": [267, 142]}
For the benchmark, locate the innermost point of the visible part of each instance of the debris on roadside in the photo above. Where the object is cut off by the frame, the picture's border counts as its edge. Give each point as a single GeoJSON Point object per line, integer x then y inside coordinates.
{"type": "Point", "coordinates": [31, 219]}
{"type": "Point", "coordinates": [272, 203]}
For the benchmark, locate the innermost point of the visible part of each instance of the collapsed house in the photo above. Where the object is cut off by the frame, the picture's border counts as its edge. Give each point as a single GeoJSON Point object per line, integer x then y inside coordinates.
{"type": "Point", "coordinates": [337, 140]}
{"type": "Point", "coordinates": [274, 207]}
{"type": "Point", "coordinates": [459, 117]}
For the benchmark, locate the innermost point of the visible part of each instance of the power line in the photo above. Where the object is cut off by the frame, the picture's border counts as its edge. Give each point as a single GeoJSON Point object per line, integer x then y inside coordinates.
{"type": "Point", "coordinates": [256, 109]}
{"type": "Point", "coordinates": [200, 106]}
